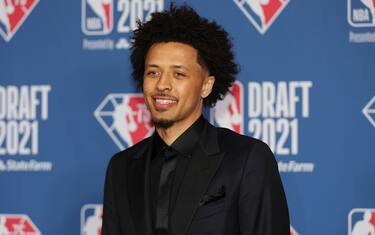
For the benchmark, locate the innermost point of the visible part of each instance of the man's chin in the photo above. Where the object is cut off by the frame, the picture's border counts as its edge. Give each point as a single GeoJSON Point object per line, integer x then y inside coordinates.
{"type": "Point", "coordinates": [162, 123]}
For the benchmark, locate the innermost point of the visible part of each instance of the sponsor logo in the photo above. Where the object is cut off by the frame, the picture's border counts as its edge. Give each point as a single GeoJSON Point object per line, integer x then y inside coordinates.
{"type": "Point", "coordinates": [369, 111]}
{"type": "Point", "coordinates": [12, 15]}
{"type": "Point", "coordinates": [22, 109]}
{"type": "Point", "coordinates": [293, 231]}
{"type": "Point", "coordinates": [17, 224]}
{"type": "Point", "coordinates": [261, 13]}
{"type": "Point", "coordinates": [125, 118]}
{"type": "Point", "coordinates": [229, 112]}
{"type": "Point", "coordinates": [112, 21]}
{"type": "Point", "coordinates": [97, 17]}
{"type": "Point", "coordinates": [91, 219]}
{"type": "Point", "coordinates": [361, 221]}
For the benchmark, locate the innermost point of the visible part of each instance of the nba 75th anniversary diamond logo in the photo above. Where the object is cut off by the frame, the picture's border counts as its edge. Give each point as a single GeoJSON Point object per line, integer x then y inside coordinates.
{"type": "Point", "coordinates": [125, 118]}
{"type": "Point", "coordinates": [14, 224]}
{"type": "Point", "coordinates": [261, 13]}
{"type": "Point", "coordinates": [12, 14]}
{"type": "Point", "coordinates": [369, 110]}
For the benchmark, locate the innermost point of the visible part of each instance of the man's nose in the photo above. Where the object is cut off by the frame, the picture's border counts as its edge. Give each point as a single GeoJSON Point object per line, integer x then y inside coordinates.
{"type": "Point", "coordinates": [164, 82]}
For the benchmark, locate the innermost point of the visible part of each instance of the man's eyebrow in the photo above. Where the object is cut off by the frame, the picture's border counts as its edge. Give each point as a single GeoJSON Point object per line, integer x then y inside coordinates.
{"type": "Point", "coordinates": [180, 66]}
{"type": "Point", "coordinates": [176, 66]}
{"type": "Point", "coordinates": [152, 65]}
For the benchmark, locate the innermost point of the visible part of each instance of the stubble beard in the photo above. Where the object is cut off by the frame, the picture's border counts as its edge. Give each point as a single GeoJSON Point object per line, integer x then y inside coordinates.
{"type": "Point", "coordinates": [162, 123]}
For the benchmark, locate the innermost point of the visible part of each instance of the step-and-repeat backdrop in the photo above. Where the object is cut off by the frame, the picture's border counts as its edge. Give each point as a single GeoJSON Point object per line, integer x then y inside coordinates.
{"type": "Point", "coordinates": [67, 104]}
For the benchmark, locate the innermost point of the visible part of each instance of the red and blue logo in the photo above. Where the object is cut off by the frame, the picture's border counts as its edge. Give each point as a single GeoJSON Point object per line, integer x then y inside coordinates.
{"type": "Point", "coordinates": [12, 15]}
{"type": "Point", "coordinates": [229, 112]}
{"type": "Point", "coordinates": [91, 219]}
{"type": "Point", "coordinates": [125, 118]}
{"type": "Point", "coordinates": [97, 17]}
{"type": "Point", "coordinates": [261, 13]}
{"type": "Point", "coordinates": [361, 221]}
{"type": "Point", "coordinates": [361, 13]}
{"type": "Point", "coordinates": [17, 224]}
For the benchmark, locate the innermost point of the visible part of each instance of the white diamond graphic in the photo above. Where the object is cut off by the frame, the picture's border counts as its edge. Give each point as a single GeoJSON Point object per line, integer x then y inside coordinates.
{"type": "Point", "coordinates": [125, 118]}
{"type": "Point", "coordinates": [369, 111]}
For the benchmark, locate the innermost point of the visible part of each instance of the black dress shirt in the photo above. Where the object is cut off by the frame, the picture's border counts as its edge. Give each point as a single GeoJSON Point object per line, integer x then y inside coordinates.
{"type": "Point", "coordinates": [183, 145]}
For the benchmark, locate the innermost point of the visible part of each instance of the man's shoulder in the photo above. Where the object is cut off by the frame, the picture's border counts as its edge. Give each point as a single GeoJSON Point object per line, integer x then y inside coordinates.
{"type": "Point", "coordinates": [232, 138]}
{"type": "Point", "coordinates": [237, 146]}
{"type": "Point", "coordinates": [237, 143]}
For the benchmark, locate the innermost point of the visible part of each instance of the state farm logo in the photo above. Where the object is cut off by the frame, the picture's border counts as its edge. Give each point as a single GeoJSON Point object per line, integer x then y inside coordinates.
{"type": "Point", "coordinates": [261, 13]}
{"type": "Point", "coordinates": [17, 224]}
{"type": "Point", "coordinates": [12, 14]}
{"type": "Point", "coordinates": [91, 219]}
{"type": "Point", "coordinates": [361, 221]}
{"type": "Point", "coordinates": [361, 13]}
{"type": "Point", "coordinates": [97, 17]}
{"type": "Point", "coordinates": [228, 112]}
{"type": "Point", "coordinates": [125, 118]}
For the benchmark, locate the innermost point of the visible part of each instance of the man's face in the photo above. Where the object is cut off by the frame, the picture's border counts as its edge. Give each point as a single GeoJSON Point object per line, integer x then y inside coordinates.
{"type": "Point", "coordinates": [175, 84]}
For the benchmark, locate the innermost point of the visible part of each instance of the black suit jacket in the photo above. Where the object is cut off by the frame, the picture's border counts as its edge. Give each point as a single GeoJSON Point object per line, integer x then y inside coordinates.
{"type": "Point", "coordinates": [232, 186]}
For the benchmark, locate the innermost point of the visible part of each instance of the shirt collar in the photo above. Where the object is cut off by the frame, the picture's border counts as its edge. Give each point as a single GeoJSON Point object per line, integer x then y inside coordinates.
{"type": "Point", "coordinates": [185, 143]}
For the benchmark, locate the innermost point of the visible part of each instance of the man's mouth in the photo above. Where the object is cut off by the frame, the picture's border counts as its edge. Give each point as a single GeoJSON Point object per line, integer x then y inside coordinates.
{"type": "Point", "coordinates": [163, 102]}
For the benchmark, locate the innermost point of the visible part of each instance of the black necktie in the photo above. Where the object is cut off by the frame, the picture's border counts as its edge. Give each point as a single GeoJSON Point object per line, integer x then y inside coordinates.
{"type": "Point", "coordinates": [165, 188]}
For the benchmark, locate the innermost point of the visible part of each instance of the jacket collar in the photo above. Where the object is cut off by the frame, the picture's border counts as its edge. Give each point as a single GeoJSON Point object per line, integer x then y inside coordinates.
{"type": "Point", "coordinates": [138, 181]}
{"type": "Point", "coordinates": [187, 141]}
{"type": "Point", "coordinates": [184, 144]}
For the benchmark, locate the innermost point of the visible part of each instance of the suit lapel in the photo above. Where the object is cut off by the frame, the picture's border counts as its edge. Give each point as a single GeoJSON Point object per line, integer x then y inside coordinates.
{"type": "Point", "coordinates": [138, 190]}
{"type": "Point", "coordinates": [205, 161]}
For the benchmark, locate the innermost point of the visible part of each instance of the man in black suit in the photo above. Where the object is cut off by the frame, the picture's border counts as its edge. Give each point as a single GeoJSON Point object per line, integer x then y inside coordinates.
{"type": "Point", "coordinates": [190, 177]}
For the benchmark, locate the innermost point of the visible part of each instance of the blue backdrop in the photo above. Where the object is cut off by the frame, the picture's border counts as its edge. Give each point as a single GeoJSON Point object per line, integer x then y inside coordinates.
{"type": "Point", "coordinates": [67, 104]}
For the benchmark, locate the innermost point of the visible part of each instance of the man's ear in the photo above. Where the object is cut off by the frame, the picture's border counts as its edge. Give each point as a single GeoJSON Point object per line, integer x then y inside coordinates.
{"type": "Point", "coordinates": [208, 84]}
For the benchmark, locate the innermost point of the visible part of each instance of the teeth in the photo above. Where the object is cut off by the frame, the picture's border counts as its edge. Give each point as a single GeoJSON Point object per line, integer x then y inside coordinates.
{"type": "Point", "coordinates": [160, 101]}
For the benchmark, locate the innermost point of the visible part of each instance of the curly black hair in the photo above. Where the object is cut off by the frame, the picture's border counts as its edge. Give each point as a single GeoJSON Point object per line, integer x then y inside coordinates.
{"type": "Point", "coordinates": [182, 24]}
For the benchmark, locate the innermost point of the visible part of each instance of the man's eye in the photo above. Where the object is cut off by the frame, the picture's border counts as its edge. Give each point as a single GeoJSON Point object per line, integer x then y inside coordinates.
{"type": "Point", "coordinates": [152, 73]}
{"type": "Point", "coordinates": [178, 74]}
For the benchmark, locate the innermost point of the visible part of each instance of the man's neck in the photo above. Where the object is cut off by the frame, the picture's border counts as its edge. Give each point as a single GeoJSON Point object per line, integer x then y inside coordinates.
{"type": "Point", "coordinates": [170, 134]}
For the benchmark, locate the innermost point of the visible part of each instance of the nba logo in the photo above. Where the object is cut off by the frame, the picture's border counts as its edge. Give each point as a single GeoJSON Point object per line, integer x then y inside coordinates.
{"type": "Point", "coordinates": [12, 14]}
{"type": "Point", "coordinates": [91, 219]}
{"type": "Point", "coordinates": [97, 17]}
{"type": "Point", "coordinates": [361, 221]}
{"type": "Point", "coordinates": [361, 13]}
{"type": "Point", "coordinates": [126, 118]}
{"type": "Point", "coordinates": [228, 112]}
{"type": "Point", "coordinates": [261, 13]}
{"type": "Point", "coordinates": [17, 224]}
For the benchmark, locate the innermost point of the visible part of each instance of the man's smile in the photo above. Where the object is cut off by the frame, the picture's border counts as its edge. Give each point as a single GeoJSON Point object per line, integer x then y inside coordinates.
{"type": "Point", "coordinates": [163, 102]}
